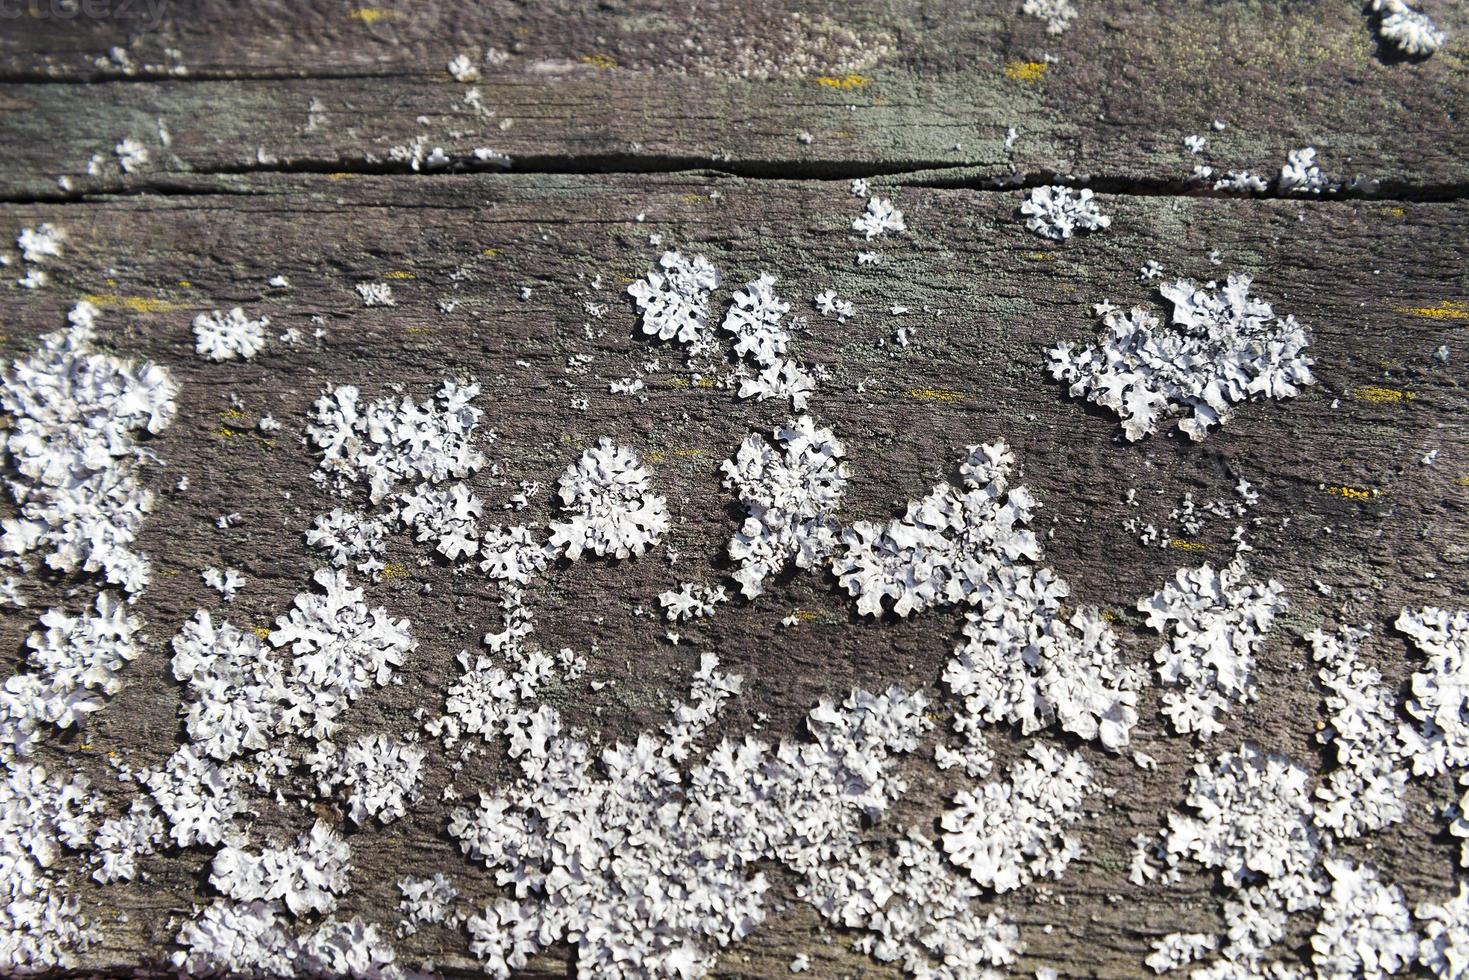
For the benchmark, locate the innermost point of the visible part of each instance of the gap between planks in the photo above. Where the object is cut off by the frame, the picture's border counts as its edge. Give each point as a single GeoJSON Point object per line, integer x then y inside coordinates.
{"type": "Point", "coordinates": [914, 174]}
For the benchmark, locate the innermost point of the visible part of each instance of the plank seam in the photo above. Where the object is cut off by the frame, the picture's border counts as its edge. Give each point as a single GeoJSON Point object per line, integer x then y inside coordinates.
{"type": "Point", "coordinates": [913, 174]}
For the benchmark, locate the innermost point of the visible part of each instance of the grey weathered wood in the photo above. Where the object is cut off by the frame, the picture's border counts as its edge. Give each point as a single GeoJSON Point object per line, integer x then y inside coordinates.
{"type": "Point", "coordinates": [1353, 271]}
{"type": "Point", "coordinates": [621, 86]}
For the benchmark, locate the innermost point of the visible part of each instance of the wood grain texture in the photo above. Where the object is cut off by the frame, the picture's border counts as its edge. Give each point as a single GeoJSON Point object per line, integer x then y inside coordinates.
{"type": "Point", "coordinates": [877, 87]}
{"type": "Point", "coordinates": [1360, 274]}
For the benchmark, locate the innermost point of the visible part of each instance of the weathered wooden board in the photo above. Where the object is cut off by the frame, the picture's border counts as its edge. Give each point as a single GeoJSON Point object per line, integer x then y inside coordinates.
{"type": "Point", "coordinates": [1376, 282]}
{"type": "Point", "coordinates": [874, 87]}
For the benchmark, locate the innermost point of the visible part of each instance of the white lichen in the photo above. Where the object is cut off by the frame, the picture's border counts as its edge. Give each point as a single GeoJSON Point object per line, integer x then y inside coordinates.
{"type": "Point", "coordinates": [1215, 622]}
{"type": "Point", "coordinates": [1407, 29]}
{"type": "Point", "coordinates": [691, 601]}
{"type": "Point", "coordinates": [1059, 212]}
{"type": "Point", "coordinates": [1440, 694]}
{"type": "Point", "coordinates": [199, 797]}
{"type": "Point", "coordinates": [426, 901]}
{"type": "Point", "coordinates": [674, 302]}
{"type": "Point", "coordinates": [340, 649]}
{"type": "Point", "coordinates": [610, 507]}
{"type": "Point", "coordinates": [41, 817]}
{"type": "Point", "coordinates": [928, 556]}
{"type": "Point", "coordinates": [377, 293]}
{"type": "Point", "coordinates": [40, 243]}
{"type": "Point", "coordinates": [226, 335]}
{"type": "Point", "coordinates": [1021, 661]}
{"type": "Point", "coordinates": [446, 516]}
{"type": "Point", "coordinates": [352, 540]}
{"type": "Point", "coordinates": [236, 691]}
{"type": "Point", "coordinates": [1364, 792]}
{"type": "Point", "coordinates": [226, 581]}
{"type": "Point", "coordinates": [74, 669]}
{"type": "Point", "coordinates": [1224, 347]}
{"type": "Point", "coordinates": [379, 774]}
{"type": "Point", "coordinates": [392, 441]}
{"type": "Point", "coordinates": [1253, 820]}
{"type": "Point", "coordinates": [1241, 182]}
{"type": "Point", "coordinates": [1365, 929]}
{"type": "Point", "coordinates": [914, 912]}
{"type": "Point", "coordinates": [1444, 948]}
{"type": "Point", "coordinates": [754, 320]}
{"type": "Point", "coordinates": [1058, 14]}
{"type": "Point", "coordinates": [463, 68]}
{"type": "Point", "coordinates": [1179, 949]}
{"type": "Point", "coordinates": [791, 491]}
{"type": "Point", "coordinates": [1007, 834]}
{"type": "Point", "coordinates": [564, 832]}
{"type": "Point", "coordinates": [131, 155]}
{"type": "Point", "coordinates": [829, 304]}
{"type": "Point", "coordinates": [879, 218]}
{"type": "Point", "coordinates": [120, 841]}
{"type": "Point", "coordinates": [307, 877]}
{"type": "Point", "coordinates": [1301, 175]}
{"type": "Point", "coordinates": [76, 420]}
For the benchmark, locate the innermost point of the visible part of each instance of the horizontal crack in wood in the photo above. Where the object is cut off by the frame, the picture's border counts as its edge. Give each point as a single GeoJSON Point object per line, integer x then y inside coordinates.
{"type": "Point", "coordinates": [912, 173]}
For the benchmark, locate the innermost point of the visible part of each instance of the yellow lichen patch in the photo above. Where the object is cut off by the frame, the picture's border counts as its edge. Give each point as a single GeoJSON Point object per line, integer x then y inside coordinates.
{"type": "Point", "coordinates": [225, 432]}
{"type": "Point", "coordinates": [653, 455]}
{"type": "Point", "coordinates": [491, 253]}
{"type": "Point", "coordinates": [678, 383]}
{"type": "Point", "coordinates": [844, 83]}
{"type": "Point", "coordinates": [1378, 395]}
{"type": "Point", "coordinates": [186, 284]}
{"type": "Point", "coordinates": [1352, 493]}
{"type": "Point", "coordinates": [691, 198]}
{"type": "Point", "coordinates": [1041, 256]}
{"type": "Point", "coordinates": [1178, 544]}
{"type": "Point", "coordinates": [340, 175]}
{"type": "Point", "coordinates": [1395, 212]}
{"type": "Point", "coordinates": [394, 570]}
{"type": "Point", "coordinates": [371, 15]}
{"type": "Point", "coordinates": [1449, 309]}
{"type": "Point", "coordinates": [418, 329]}
{"type": "Point", "coordinates": [134, 304]}
{"type": "Point", "coordinates": [687, 453]}
{"type": "Point", "coordinates": [807, 615]}
{"type": "Point", "coordinates": [262, 631]}
{"type": "Point", "coordinates": [935, 395]}
{"type": "Point", "coordinates": [233, 415]}
{"type": "Point", "coordinates": [400, 274]}
{"type": "Point", "coordinates": [704, 383]}
{"type": "Point", "coordinates": [1025, 71]}
{"type": "Point", "coordinates": [602, 61]}
{"type": "Point", "coordinates": [1464, 481]}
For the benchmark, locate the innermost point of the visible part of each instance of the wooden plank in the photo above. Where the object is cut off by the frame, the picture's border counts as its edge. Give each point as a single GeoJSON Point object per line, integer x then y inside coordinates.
{"type": "Point", "coordinates": [876, 87]}
{"type": "Point", "coordinates": [1365, 277]}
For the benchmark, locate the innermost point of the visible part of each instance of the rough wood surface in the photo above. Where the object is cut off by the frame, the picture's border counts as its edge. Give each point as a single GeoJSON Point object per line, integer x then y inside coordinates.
{"type": "Point", "coordinates": [877, 86]}
{"type": "Point", "coordinates": [1374, 281]}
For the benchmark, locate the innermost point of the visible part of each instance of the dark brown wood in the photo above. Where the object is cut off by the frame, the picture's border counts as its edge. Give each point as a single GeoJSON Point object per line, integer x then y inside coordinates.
{"type": "Point", "coordinates": [1376, 282]}
{"type": "Point", "coordinates": [877, 87]}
